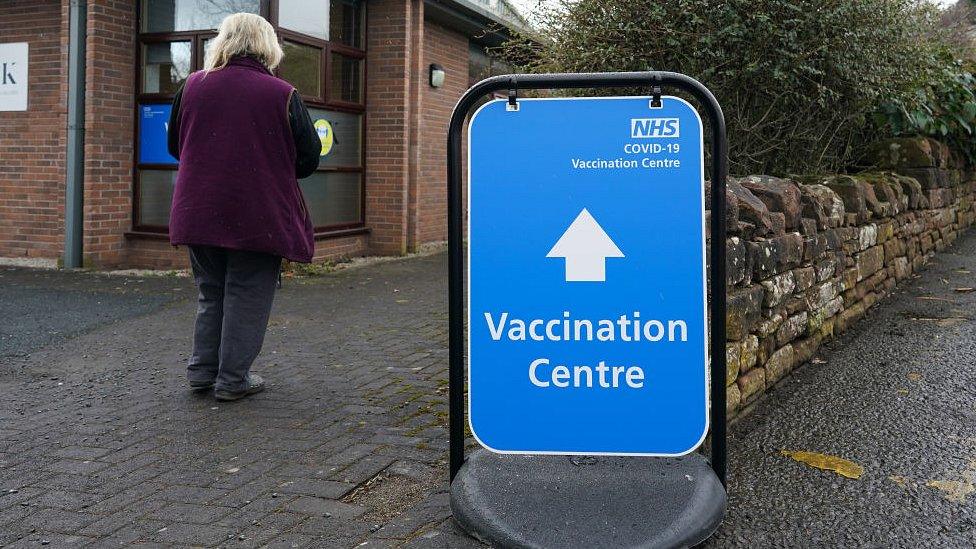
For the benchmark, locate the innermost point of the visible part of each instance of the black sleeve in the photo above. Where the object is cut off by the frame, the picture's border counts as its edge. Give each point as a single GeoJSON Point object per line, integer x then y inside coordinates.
{"type": "Point", "coordinates": [307, 142]}
{"type": "Point", "coordinates": [173, 128]}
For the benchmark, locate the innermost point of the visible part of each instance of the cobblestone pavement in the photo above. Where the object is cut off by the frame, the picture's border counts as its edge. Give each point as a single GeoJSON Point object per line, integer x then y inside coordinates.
{"type": "Point", "coordinates": [102, 445]}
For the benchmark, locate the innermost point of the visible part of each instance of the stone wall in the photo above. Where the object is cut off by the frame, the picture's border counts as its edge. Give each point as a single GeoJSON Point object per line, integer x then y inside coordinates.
{"type": "Point", "coordinates": [808, 256]}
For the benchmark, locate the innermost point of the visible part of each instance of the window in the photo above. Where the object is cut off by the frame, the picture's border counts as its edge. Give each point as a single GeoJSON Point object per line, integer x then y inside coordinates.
{"type": "Point", "coordinates": [323, 42]}
{"type": "Point", "coordinates": [302, 67]}
{"type": "Point", "coordinates": [347, 79]}
{"type": "Point", "coordinates": [190, 15]}
{"type": "Point", "coordinates": [165, 65]}
{"type": "Point", "coordinates": [324, 60]}
{"type": "Point", "coordinates": [309, 17]}
{"type": "Point", "coordinates": [338, 21]}
{"type": "Point", "coordinates": [334, 193]}
{"type": "Point", "coordinates": [155, 196]}
{"type": "Point", "coordinates": [346, 23]}
{"type": "Point", "coordinates": [333, 198]}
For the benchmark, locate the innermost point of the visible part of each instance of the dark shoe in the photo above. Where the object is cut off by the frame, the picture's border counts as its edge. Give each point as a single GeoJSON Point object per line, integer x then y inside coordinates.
{"type": "Point", "coordinates": [202, 385]}
{"type": "Point", "coordinates": [255, 384]}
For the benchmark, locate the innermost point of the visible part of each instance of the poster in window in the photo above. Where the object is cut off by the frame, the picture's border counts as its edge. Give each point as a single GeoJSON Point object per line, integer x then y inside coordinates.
{"type": "Point", "coordinates": [153, 125]}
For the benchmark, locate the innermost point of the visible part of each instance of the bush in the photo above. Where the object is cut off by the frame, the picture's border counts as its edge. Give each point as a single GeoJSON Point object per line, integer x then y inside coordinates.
{"type": "Point", "coordinates": [799, 80]}
{"type": "Point", "coordinates": [944, 108]}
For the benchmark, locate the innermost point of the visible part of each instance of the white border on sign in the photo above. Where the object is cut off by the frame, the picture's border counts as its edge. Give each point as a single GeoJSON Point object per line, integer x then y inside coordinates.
{"type": "Point", "coordinates": [701, 205]}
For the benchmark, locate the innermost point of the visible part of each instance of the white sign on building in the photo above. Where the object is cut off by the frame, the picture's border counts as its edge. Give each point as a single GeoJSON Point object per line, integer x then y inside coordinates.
{"type": "Point", "coordinates": [13, 77]}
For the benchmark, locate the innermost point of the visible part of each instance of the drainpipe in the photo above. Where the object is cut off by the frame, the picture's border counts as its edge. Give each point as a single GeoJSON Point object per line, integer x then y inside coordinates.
{"type": "Point", "coordinates": [75, 177]}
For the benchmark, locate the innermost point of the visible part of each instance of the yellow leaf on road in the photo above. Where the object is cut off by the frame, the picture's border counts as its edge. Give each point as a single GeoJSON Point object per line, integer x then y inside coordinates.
{"type": "Point", "coordinates": [841, 466]}
{"type": "Point", "coordinates": [955, 491]}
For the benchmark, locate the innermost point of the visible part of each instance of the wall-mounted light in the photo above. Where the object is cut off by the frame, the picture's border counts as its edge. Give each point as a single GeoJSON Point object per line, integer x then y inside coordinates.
{"type": "Point", "coordinates": [436, 76]}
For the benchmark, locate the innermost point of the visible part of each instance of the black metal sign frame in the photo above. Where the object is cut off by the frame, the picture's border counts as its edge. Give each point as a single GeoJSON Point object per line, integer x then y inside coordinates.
{"type": "Point", "coordinates": [455, 228]}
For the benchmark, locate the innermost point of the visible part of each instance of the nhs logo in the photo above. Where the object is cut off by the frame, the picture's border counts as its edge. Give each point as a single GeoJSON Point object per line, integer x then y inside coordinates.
{"type": "Point", "coordinates": [654, 127]}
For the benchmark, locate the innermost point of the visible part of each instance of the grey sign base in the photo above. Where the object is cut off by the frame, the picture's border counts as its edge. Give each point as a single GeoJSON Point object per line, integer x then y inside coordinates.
{"type": "Point", "coordinates": [576, 501]}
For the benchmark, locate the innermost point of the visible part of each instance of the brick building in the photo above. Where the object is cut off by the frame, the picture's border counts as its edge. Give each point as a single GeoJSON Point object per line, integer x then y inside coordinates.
{"type": "Point", "coordinates": [364, 68]}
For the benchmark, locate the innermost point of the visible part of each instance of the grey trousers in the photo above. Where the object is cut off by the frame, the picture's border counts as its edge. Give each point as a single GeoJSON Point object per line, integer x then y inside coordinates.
{"type": "Point", "coordinates": [236, 292]}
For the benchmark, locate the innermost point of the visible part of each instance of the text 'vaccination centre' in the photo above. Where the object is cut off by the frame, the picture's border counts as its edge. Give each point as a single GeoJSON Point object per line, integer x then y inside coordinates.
{"type": "Point", "coordinates": [382, 75]}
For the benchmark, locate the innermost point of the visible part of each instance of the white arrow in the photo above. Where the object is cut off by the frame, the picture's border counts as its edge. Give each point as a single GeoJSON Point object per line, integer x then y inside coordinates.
{"type": "Point", "coordinates": [586, 247]}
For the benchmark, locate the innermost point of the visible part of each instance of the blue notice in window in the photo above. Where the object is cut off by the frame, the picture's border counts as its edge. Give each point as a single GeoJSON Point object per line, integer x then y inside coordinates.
{"type": "Point", "coordinates": [153, 125]}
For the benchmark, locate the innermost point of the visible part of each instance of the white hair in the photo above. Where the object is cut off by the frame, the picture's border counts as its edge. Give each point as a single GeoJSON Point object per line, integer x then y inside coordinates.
{"type": "Point", "coordinates": [244, 34]}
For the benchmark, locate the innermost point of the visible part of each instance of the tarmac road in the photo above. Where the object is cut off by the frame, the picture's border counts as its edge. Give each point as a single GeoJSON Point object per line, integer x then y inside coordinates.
{"type": "Point", "coordinates": [897, 395]}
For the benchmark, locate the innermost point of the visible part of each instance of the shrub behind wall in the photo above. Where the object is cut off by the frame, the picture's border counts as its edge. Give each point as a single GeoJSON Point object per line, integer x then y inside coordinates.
{"type": "Point", "coordinates": [799, 80]}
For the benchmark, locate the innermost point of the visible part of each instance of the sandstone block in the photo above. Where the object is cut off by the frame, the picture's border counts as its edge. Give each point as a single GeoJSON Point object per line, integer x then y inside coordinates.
{"type": "Point", "coordinates": [763, 257]}
{"type": "Point", "coordinates": [804, 349]}
{"type": "Point", "coordinates": [733, 359]}
{"type": "Point", "coordinates": [814, 247]}
{"type": "Point", "coordinates": [929, 178]}
{"type": "Point", "coordinates": [733, 399]}
{"type": "Point", "coordinates": [874, 205]}
{"type": "Point", "coordinates": [904, 152]}
{"type": "Point", "coordinates": [848, 317]}
{"type": "Point", "coordinates": [821, 294]}
{"type": "Point", "coordinates": [778, 288]}
{"type": "Point", "coordinates": [867, 236]}
{"type": "Point", "coordinates": [751, 209]}
{"type": "Point", "coordinates": [788, 250]}
{"type": "Point", "coordinates": [826, 269]}
{"type": "Point", "coordinates": [902, 268]}
{"type": "Point", "coordinates": [778, 364]}
{"type": "Point", "coordinates": [742, 311]}
{"type": "Point", "coordinates": [886, 231]}
{"type": "Point", "coordinates": [851, 193]}
{"type": "Point", "coordinates": [805, 277]}
{"type": "Point", "coordinates": [779, 195]}
{"type": "Point", "coordinates": [791, 329]}
{"type": "Point", "coordinates": [768, 326]}
{"type": "Point", "coordinates": [869, 262]}
{"type": "Point", "coordinates": [751, 384]}
{"type": "Point", "coordinates": [913, 190]}
{"type": "Point", "coordinates": [736, 261]}
{"type": "Point", "coordinates": [749, 353]}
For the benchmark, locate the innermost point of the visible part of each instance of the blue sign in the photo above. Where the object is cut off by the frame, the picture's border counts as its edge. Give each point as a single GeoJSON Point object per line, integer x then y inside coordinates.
{"type": "Point", "coordinates": [153, 124]}
{"type": "Point", "coordinates": [586, 313]}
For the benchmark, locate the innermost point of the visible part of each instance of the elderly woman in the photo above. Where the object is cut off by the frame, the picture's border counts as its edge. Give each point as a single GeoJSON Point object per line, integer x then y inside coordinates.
{"type": "Point", "coordinates": [243, 138]}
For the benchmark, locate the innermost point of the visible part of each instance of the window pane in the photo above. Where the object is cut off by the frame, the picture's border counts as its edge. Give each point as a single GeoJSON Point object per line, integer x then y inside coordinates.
{"type": "Point", "coordinates": [185, 15]}
{"type": "Point", "coordinates": [333, 198]}
{"type": "Point", "coordinates": [309, 17]}
{"type": "Point", "coordinates": [347, 78]}
{"type": "Point", "coordinates": [155, 196]}
{"type": "Point", "coordinates": [165, 65]}
{"type": "Point", "coordinates": [342, 138]}
{"type": "Point", "coordinates": [346, 22]}
{"type": "Point", "coordinates": [302, 67]}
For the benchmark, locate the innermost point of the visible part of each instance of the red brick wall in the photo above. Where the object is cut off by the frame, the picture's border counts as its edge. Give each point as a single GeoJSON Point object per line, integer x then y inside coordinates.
{"type": "Point", "coordinates": [388, 51]}
{"type": "Point", "coordinates": [448, 49]}
{"type": "Point", "coordinates": [147, 253]}
{"type": "Point", "coordinates": [109, 113]}
{"type": "Point", "coordinates": [406, 127]}
{"type": "Point", "coordinates": [32, 142]}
